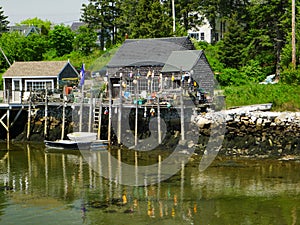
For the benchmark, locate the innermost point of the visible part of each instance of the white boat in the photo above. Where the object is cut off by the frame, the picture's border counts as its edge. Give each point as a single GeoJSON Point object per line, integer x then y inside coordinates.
{"type": "Point", "coordinates": [67, 144]}
{"type": "Point", "coordinates": [82, 136]}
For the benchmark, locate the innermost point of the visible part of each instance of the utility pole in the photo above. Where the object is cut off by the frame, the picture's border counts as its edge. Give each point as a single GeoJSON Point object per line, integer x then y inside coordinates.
{"type": "Point", "coordinates": [173, 15]}
{"type": "Point", "coordinates": [293, 35]}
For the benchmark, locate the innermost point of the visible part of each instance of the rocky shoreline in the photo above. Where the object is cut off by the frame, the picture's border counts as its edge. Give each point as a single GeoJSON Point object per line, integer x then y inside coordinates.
{"type": "Point", "coordinates": [254, 133]}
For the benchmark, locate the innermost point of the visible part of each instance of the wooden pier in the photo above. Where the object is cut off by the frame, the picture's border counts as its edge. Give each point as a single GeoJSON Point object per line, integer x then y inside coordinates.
{"type": "Point", "coordinates": [97, 105]}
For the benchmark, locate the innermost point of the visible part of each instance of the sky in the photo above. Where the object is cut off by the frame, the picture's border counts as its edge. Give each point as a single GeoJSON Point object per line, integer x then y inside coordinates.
{"type": "Point", "coordinates": [56, 11]}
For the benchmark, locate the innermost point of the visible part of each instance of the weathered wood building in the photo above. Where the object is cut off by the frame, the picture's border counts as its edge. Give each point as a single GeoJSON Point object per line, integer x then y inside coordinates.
{"type": "Point", "coordinates": [158, 64]}
{"type": "Point", "coordinates": [23, 77]}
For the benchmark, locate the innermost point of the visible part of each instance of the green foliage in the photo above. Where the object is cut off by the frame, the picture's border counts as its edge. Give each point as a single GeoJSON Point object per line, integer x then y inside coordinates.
{"type": "Point", "coordinates": [231, 76]}
{"type": "Point", "coordinates": [252, 71]}
{"type": "Point", "coordinates": [61, 39]}
{"type": "Point", "coordinates": [232, 45]}
{"type": "Point", "coordinates": [20, 48]}
{"type": "Point", "coordinates": [284, 97]}
{"type": "Point", "coordinates": [290, 76]}
{"type": "Point", "coordinates": [99, 15]}
{"type": "Point", "coordinates": [85, 40]}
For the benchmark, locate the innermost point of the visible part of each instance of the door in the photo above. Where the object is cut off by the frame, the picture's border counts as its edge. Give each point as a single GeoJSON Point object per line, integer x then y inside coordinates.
{"type": "Point", "coordinates": [16, 90]}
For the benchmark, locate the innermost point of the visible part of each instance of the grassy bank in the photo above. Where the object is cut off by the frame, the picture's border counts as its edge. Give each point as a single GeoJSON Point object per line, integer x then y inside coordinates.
{"type": "Point", "coordinates": [284, 97]}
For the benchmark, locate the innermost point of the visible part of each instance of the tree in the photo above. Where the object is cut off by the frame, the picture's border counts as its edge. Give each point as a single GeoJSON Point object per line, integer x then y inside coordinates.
{"type": "Point", "coordinates": [11, 45]}
{"type": "Point", "coordinates": [33, 47]}
{"type": "Point", "coordinates": [98, 15]}
{"type": "Point", "coordinates": [43, 25]}
{"type": "Point", "coordinates": [150, 20]}
{"type": "Point", "coordinates": [232, 45]}
{"type": "Point", "coordinates": [3, 21]}
{"type": "Point", "coordinates": [20, 48]}
{"type": "Point", "coordinates": [266, 32]}
{"type": "Point", "coordinates": [61, 40]}
{"type": "Point", "coordinates": [188, 13]}
{"type": "Point", "coordinates": [85, 40]}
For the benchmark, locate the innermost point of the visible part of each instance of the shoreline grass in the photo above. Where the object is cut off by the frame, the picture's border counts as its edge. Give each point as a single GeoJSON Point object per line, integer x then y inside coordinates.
{"type": "Point", "coordinates": [283, 96]}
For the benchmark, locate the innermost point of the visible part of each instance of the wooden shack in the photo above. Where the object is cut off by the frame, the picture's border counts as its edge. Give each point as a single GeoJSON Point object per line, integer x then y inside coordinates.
{"type": "Point", "coordinates": [23, 77]}
{"type": "Point", "coordinates": [157, 64]}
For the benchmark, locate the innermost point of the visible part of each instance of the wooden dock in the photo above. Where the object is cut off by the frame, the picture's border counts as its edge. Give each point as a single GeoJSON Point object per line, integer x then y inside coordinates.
{"type": "Point", "coordinates": [175, 98]}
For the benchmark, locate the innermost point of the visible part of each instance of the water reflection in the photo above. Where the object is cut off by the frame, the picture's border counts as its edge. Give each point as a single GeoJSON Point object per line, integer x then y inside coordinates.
{"type": "Point", "coordinates": [61, 188]}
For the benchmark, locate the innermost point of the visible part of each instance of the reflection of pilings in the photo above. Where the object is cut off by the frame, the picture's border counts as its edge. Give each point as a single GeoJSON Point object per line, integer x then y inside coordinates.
{"type": "Point", "coordinates": [90, 173]}
{"type": "Point", "coordinates": [182, 183]}
{"type": "Point", "coordinates": [119, 167]}
{"type": "Point", "coordinates": [109, 174]}
{"type": "Point", "coordinates": [46, 173]}
{"type": "Point", "coordinates": [136, 168]}
{"type": "Point", "coordinates": [65, 180]}
{"type": "Point", "coordinates": [80, 175]}
{"type": "Point", "coordinates": [158, 177]}
{"type": "Point", "coordinates": [29, 165]}
{"type": "Point", "coordinates": [100, 174]}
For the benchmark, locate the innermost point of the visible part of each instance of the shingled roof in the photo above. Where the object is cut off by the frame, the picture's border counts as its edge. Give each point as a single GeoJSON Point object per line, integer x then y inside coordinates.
{"type": "Point", "coordinates": [182, 61]}
{"type": "Point", "coordinates": [148, 52]}
{"type": "Point", "coordinates": [35, 69]}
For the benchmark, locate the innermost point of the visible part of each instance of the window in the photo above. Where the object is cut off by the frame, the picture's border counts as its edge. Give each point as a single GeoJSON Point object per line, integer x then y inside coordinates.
{"type": "Point", "coordinates": [38, 85]}
{"type": "Point", "coordinates": [202, 36]}
{"type": "Point", "coordinates": [194, 35]}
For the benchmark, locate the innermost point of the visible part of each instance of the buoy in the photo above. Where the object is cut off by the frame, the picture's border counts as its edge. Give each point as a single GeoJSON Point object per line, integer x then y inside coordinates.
{"type": "Point", "coordinates": [106, 111]}
{"type": "Point", "coordinates": [152, 112]}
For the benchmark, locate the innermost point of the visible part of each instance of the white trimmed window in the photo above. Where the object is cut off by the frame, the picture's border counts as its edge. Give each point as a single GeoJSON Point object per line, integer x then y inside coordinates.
{"type": "Point", "coordinates": [38, 85]}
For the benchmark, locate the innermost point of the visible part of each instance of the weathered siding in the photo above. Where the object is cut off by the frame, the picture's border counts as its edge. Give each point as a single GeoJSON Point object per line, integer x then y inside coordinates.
{"type": "Point", "coordinates": [204, 75]}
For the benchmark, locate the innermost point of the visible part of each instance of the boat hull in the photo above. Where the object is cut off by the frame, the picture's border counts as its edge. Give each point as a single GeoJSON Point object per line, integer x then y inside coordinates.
{"type": "Point", "coordinates": [82, 136]}
{"type": "Point", "coordinates": [67, 144]}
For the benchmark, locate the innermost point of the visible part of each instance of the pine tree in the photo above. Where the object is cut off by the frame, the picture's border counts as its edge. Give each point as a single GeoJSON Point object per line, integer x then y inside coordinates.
{"type": "Point", "coordinates": [3, 21]}
{"type": "Point", "coordinates": [99, 15]}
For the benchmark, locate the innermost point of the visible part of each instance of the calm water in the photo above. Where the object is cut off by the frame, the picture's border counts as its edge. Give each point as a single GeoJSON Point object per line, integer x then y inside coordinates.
{"type": "Point", "coordinates": [61, 188]}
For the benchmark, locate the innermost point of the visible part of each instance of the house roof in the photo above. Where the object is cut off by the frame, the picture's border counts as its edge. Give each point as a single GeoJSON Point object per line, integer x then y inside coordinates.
{"type": "Point", "coordinates": [25, 29]}
{"type": "Point", "coordinates": [148, 52]}
{"type": "Point", "coordinates": [182, 61]}
{"type": "Point", "coordinates": [35, 69]}
{"type": "Point", "coordinates": [75, 25]}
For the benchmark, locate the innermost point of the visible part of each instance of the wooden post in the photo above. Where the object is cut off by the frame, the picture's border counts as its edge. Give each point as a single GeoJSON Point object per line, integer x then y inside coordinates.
{"type": "Point", "coordinates": [182, 115]}
{"type": "Point", "coordinates": [29, 117]}
{"type": "Point", "coordinates": [46, 113]}
{"type": "Point", "coordinates": [120, 115]}
{"type": "Point", "coordinates": [100, 118]}
{"type": "Point", "coordinates": [109, 113]}
{"type": "Point", "coordinates": [136, 115]}
{"type": "Point", "coordinates": [90, 111]}
{"type": "Point", "coordinates": [63, 119]}
{"type": "Point", "coordinates": [8, 127]}
{"type": "Point", "coordinates": [81, 110]}
{"type": "Point", "coordinates": [158, 121]}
